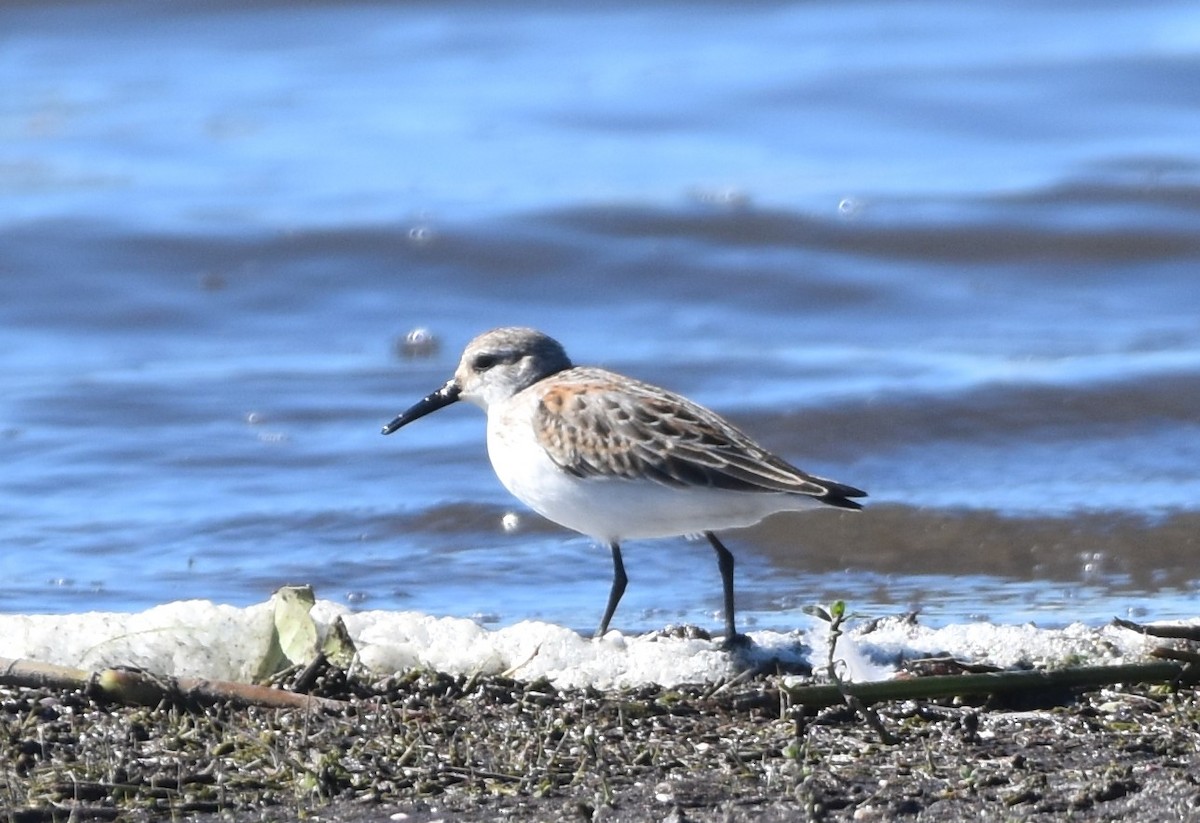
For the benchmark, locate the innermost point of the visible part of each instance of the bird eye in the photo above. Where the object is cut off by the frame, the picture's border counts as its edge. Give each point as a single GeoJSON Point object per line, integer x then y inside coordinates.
{"type": "Point", "coordinates": [483, 362]}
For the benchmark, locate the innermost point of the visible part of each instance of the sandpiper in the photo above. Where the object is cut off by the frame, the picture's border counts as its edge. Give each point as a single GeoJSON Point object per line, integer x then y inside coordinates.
{"type": "Point", "coordinates": [616, 459]}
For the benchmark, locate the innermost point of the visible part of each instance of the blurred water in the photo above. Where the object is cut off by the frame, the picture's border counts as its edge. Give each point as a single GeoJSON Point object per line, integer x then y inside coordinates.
{"type": "Point", "coordinates": [940, 252]}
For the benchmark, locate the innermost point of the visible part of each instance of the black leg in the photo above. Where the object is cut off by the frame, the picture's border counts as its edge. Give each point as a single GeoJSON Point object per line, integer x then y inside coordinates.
{"type": "Point", "coordinates": [725, 564]}
{"type": "Point", "coordinates": [618, 588]}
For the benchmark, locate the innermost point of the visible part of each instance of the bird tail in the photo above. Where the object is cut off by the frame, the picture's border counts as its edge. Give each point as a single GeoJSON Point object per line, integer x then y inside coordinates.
{"type": "Point", "coordinates": [839, 495]}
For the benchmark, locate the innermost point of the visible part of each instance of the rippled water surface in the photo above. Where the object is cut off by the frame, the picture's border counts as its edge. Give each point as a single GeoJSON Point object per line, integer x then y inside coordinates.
{"type": "Point", "coordinates": [944, 253]}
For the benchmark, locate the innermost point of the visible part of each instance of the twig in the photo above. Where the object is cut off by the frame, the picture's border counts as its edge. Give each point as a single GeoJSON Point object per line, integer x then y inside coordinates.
{"type": "Point", "coordinates": [872, 717]}
{"type": "Point", "coordinates": [142, 688]}
{"type": "Point", "coordinates": [954, 685]}
{"type": "Point", "coordinates": [34, 675]}
{"type": "Point", "coordinates": [1165, 632]}
{"type": "Point", "coordinates": [1182, 655]}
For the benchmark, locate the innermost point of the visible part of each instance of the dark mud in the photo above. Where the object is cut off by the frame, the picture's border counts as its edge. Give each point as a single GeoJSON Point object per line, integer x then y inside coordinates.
{"type": "Point", "coordinates": [426, 746]}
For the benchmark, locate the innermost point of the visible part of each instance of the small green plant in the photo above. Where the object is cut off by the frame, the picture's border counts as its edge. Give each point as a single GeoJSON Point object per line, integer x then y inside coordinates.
{"type": "Point", "coordinates": [836, 616]}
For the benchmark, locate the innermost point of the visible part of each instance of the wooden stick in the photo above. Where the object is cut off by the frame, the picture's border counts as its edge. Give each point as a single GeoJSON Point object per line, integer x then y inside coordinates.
{"type": "Point", "coordinates": [1182, 655]}
{"type": "Point", "coordinates": [1165, 632]}
{"type": "Point", "coordinates": [144, 689]}
{"type": "Point", "coordinates": [34, 675]}
{"type": "Point", "coordinates": [962, 685]}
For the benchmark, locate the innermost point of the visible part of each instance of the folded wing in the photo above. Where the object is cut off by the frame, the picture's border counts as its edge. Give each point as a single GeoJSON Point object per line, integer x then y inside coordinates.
{"type": "Point", "coordinates": [598, 424]}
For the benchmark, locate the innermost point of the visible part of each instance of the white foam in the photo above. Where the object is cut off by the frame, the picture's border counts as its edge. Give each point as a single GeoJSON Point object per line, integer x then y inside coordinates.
{"type": "Point", "coordinates": [389, 641]}
{"type": "Point", "coordinates": [190, 638]}
{"type": "Point", "coordinates": [893, 640]}
{"type": "Point", "coordinates": [202, 639]}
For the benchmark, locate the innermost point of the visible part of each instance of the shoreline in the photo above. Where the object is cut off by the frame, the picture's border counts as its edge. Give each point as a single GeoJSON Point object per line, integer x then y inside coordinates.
{"type": "Point", "coordinates": [454, 747]}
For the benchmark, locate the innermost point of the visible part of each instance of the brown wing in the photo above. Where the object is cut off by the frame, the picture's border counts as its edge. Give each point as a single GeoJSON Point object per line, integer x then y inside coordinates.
{"type": "Point", "coordinates": [594, 423]}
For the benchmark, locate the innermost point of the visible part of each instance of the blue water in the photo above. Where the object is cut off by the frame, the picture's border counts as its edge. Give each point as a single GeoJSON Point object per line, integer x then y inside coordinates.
{"type": "Point", "coordinates": [942, 252]}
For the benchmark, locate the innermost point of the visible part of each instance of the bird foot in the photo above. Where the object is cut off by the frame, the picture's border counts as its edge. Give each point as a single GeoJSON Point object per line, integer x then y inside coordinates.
{"type": "Point", "coordinates": [736, 642]}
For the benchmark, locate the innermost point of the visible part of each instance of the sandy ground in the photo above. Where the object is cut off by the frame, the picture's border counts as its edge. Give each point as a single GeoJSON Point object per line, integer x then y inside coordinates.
{"type": "Point", "coordinates": [427, 746]}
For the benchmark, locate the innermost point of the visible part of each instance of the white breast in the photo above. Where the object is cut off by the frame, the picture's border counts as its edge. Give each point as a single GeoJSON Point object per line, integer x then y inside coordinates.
{"type": "Point", "coordinates": [617, 509]}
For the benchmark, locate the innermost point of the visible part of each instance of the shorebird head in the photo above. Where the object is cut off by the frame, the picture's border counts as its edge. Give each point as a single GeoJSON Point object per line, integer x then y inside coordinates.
{"type": "Point", "coordinates": [494, 366]}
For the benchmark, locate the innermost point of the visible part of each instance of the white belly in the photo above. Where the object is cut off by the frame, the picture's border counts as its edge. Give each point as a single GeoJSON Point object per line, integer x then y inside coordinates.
{"type": "Point", "coordinates": [615, 510]}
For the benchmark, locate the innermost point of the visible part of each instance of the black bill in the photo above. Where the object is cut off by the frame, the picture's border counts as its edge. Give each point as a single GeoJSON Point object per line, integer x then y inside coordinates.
{"type": "Point", "coordinates": [444, 396]}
